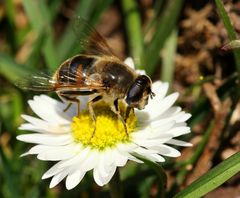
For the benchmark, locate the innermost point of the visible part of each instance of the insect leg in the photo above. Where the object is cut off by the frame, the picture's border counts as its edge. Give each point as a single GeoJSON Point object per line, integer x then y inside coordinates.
{"type": "Point", "coordinates": [68, 106]}
{"type": "Point", "coordinates": [128, 111]}
{"type": "Point", "coordinates": [115, 109]}
{"type": "Point", "coordinates": [71, 96]}
{"type": "Point", "coordinates": [91, 112]}
{"type": "Point", "coordinates": [70, 100]}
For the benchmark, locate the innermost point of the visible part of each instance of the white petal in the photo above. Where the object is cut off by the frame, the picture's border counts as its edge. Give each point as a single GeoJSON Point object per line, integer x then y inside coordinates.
{"type": "Point", "coordinates": [38, 149]}
{"type": "Point", "coordinates": [160, 89]}
{"type": "Point", "coordinates": [140, 72]}
{"type": "Point", "coordinates": [58, 178]}
{"type": "Point", "coordinates": [132, 158]}
{"type": "Point", "coordinates": [179, 143]}
{"type": "Point", "coordinates": [46, 139]}
{"type": "Point", "coordinates": [54, 170]}
{"type": "Point", "coordinates": [163, 105]}
{"type": "Point", "coordinates": [47, 111]}
{"type": "Point", "coordinates": [120, 159]}
{"type": "Point", "coordinates": [30, 127]}
{"type": "Point", "coordinates": [182, 117]}
{"type": "Point", "coordinates": [97, 176]}
{"type": "Point", "coordinates": [74, 178]}
{"type": "Point", "coordinates": [56, 155]}
{"type": "Point", "coordinates": [110, 174]}
{"type": "Point", "coordinates": [52, 101]}
{"type": "Point", "coordinates": [35, 121]}
{"type": "Point", "coordinates": [166, 150]}
{"type": "Point", "coordinates": [159, 126]}
{"type": "Point", "coordinates": [144, 151]}
{"type": "Point", "coordinates": [155, 108]}
{"type": "Point", "coordinates": [90, 162]}
{"type": "Point", "coordinates": [129, 62]}
{"type": "Point", "coordinates": [126, 147]}
{"type": "Point", "coordinates": [102, 178]}
{"type": "Point", "coordinates": [156, 158]}
{"type": "Point", "coordinates": [57, 129]}
{"type": "Point", "coordinates": [152, 157]}
{"type": "Point", "coordinates": [78, 159]}
{"type": "Point", "coordinates": [177, 131]}
{"type": "Point", "coordinates": [101, 171]}
{"type": "Point", "coordinates": [25, 154]}
{"type": "Point", "coordinates": [104, 162]}
{"type": "Point", "coordinates": [152, 142]}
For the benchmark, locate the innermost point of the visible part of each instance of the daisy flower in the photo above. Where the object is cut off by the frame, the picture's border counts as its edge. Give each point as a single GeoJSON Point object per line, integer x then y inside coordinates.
{"type": "Point", "coordinates": [62, 137]}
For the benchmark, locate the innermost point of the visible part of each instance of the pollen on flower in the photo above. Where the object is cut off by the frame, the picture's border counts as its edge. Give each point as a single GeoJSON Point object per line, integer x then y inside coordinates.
{"type": "Point", "coordinates": [109, 129]}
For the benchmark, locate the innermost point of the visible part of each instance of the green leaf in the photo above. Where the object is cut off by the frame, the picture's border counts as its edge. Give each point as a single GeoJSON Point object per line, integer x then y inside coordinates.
{"type": "Point", "coordinates": [168, 57]}
{"type": "Point", "coordinates": [68, 41]}
{"type": "Point", "coordinates": [9, 176]}
{"type": "Point", "coordinates": [232, 45]}
{"type": "Point", "coordinates": [161, 175]}
{"type": "Point", "coordinates": [10, 69]}
{"type": "Point", "coordinates": [40, 19]}
{"type": "Point", "coordinates": [201, 108]}
{"type": "Point", "coordinates": [165, 26]}
{"type": "Point", "coordinates": [10, 11]}
{"type": "Point", "coordinates": [134, 32]}
{"type": "Point", "coordinates": [230, 30]}
{"type": "Point", "coordinates": [212, 179]}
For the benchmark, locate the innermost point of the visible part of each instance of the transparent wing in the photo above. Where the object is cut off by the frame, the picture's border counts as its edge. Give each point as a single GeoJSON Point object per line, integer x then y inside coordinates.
{"type": "Point", "coordinates": [72, 81]}
{"type": "Point", "coordinates": [91, 41]}
{"type": "Point", "coordinates": [79, 81]}
{"type": "Point", "coordinates": [36, 82]}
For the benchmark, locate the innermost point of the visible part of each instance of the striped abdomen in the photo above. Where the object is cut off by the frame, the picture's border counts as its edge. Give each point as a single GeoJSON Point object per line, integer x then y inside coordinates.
{"type": "Point", "coordinates": [74, 71]}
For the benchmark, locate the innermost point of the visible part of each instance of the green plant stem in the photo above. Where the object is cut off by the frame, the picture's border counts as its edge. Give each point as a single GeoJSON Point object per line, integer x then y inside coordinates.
{"type": "Point", "coordinates": [115, 186]}
{"type": "Point", "coordinates": [134, 32]}
{"type": "Point", "coordinates": [168, 57]}
{"type": "Point", "coordinates": [180, 177]}
{"type": "Point", "coordinates": [230, 30]}
{"type": "Point", "coordinates": [165, 25]}
{"type": "Point", "coordinates": [160, 173]}
{"type": "Point", "coordinates": [213, 178]}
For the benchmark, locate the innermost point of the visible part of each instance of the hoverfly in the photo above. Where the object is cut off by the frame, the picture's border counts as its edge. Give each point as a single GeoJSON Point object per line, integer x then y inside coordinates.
{"type": "Point", "coordinates": [97, 73]}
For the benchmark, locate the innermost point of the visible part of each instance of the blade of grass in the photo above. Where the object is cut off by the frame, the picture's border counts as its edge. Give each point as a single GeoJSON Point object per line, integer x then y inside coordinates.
{"type": "Point", "coordinates": [100, 7]}
{"type": "Point", "coordinates": [68, 45]}
{"type": "Point", "coordinates": [54, 7]}
{"type": "Point", "coordinates": [180, 177]}
{"type": "Point", "coordinates": [198, 114]}
{"type": "Point", "coordinates": [8, 175]}
{"type": "Point", "coordinates": [35, 52]}
{"type": "Point", "coordinates": [68, 41]}
{"type": "Point", "coordinates": [168, 57]}
{"type": "Point", "coordinates": [163, 29]}
{"type": "Point", "coordinates": [11, 34]}
{"type": "Point", "coordinates": [231, 45]}
{"type": "Point", "coordinates": [230, 30]}
{"type": "Point", "coordinates": [134, 31]}
{"type": "Point", "coordinates": [212, 179]}
{"type": "Point", "coordinates": [161, 175]}
{"type": "Point", "coordinates": [10, 11]}
{"type": "Point", "coordinates": [202, 107]}
{"type": "Point", "coordinates": [39, 16]}
{"type": "Point", "coordinates": [156, 11]}
{"type": "Point", "coordinates": [10, 69]}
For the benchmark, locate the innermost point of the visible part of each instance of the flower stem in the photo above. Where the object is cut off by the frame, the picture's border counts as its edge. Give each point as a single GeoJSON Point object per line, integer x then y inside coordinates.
{"type": "Point", "coordinates": [133, 27]}
{"type": "Point", "coordinates": [115, 186]}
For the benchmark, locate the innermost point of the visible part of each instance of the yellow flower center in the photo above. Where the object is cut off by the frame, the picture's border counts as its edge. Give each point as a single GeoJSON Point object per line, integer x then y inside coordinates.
{"type": "Point", "coordinates": [109, 129]}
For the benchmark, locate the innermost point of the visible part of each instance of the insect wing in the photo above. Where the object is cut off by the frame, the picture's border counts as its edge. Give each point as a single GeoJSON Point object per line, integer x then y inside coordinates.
{"type": "Point", "coordinates": [91, 41]}
{"type": "Point", "coordinates": [38, 82]}
{"type": "Point", "coordinates": [79, 81]}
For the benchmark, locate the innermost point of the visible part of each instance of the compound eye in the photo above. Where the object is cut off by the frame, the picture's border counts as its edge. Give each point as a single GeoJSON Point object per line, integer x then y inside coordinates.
{"type": "Point", "coordinates": [134, 94]}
